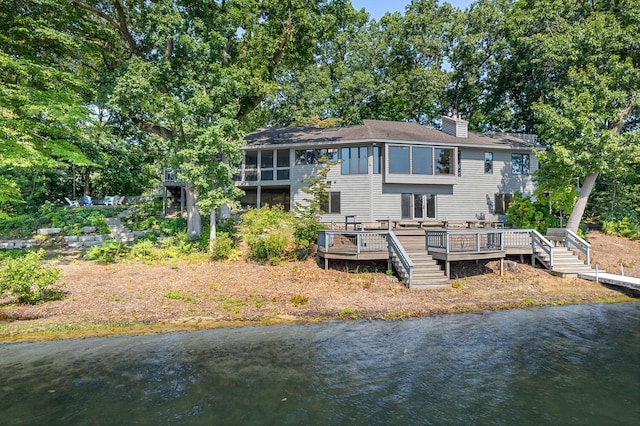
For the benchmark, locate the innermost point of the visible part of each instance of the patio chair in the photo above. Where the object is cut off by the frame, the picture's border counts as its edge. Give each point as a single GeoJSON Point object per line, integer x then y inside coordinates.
{"type": "Point", "coordinates": [73, 203]}
{"type": "Point", "coordinates": [114, 200]}
{"type": "Point", "coordinates": [86, 200]}
{"type": "Point", "coordinates": [120, 201]}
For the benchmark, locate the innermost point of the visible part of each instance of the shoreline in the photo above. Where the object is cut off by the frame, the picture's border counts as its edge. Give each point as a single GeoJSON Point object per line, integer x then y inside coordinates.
{"type": "Point", "coordinates": [136, 298]}
{"type": "Point", "coordinates": [81, 331]}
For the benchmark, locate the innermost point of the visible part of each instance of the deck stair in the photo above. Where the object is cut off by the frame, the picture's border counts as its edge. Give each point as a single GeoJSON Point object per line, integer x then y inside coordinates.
{"type": "Point", "coordinates": [565, 262]}
{"type": "Point", "coordinates": [427, 273]}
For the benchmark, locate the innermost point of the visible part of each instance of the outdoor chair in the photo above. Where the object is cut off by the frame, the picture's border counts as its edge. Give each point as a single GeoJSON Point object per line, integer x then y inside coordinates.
{"type": "Point", "coordinates": [86, 200]}
{"type": "Point", "coordinates": [73, 203]}
{"type": "Point", "coordinates": [114, 200]}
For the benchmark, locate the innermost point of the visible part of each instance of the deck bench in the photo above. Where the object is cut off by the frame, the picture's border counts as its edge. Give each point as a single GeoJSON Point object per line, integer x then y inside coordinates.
{"type": "Point", "coordinates": [557, 236]}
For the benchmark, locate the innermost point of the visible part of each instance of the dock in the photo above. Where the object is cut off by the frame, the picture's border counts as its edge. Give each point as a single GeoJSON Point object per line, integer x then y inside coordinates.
{"type": "Point", "coordinates": [612, 279]}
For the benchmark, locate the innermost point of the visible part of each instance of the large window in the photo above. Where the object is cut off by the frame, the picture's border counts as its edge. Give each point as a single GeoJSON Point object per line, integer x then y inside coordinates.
{"type": "Point", "coordinates": [421, 160]}
{"type": "Point", "coordinates": [444, 161]}
{"type": "Point", "coordinates": [313, 156]}
{"type": "Point", "coordinates": [520, 164]}
{"type": "Point", "coordinates": [399, 159]}
{"type": "Point", "coordinates": [354, 160]}
{"type": "Point", "coordinates": [488, 162]}
{"type": "Point", "coordinates": [265, 165]}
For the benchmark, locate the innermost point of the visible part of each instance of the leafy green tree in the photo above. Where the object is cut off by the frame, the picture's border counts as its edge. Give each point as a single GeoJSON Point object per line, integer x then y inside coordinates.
{"type": "Point", "coordinates": [190, 72]}
{"type": "Point", "coordinates": [43, 95]}
{"type": "Point", "coordinates": [311, 208]}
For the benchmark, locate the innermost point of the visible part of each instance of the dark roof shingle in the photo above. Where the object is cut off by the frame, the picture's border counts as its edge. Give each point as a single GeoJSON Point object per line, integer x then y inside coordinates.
{"type": "Point", "coordinates": [378, 130]}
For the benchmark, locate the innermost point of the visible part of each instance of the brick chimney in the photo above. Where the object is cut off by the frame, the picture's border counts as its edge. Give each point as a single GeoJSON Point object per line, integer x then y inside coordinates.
{"type": "Point", "coordinates": [455, 127]}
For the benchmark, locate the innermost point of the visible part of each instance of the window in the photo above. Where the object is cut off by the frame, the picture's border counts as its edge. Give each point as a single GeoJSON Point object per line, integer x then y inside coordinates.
{"type": "Point", "coordinates": [444, 161]}
{"type": "Point", "coordinates": [459, 162]}
{"type": "Point", "coordinates": [283, 158]}
{"type": "Point", "coordinates": [398, 159]}
{"type": "Point", "coordinates": [283, 162]}
{"type": "Point", "coordinates": [354, 160]}
{"type": "Point", "coordinates": [502, 202]}
{"type": "Point", "coordinates": [405, 206]}
{"type": "Point", "coordinates": [266, 174]}
{"type": "Point", "coordinates": [418, 206]}
{"type": "Point", "coordinates": [266, 159]}
{"type": "Point", "coordinates": [419, 160]}
{"type": "Point", "coordinates": [313, 156]}
{"type": "Point", "coordinates": [377, 159]}
{"type": "Point", "coordinates": [488, 162]}
{"type": "Point", "coordinates": [332, 205]}
{"type": "Point", "coordinates": [422, 161]}
{"type": "Point", "coordinates": [520, 164]}
{"type": "Point", "coordinates": [251, 159]}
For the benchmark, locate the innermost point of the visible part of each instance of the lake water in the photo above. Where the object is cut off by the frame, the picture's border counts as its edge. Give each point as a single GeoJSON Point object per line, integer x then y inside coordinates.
{"type": "Point", "coordinates": [570, 365]}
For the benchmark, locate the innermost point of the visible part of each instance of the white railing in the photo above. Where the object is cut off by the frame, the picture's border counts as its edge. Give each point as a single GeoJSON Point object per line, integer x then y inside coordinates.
{"type": "Point", "coordinates": [352, 241]}
{"type": "Point", "coordinates": [572, 240]}
{"type": "Point", "coordinates": [477, 240]}
{"type": "Point", "coordinates": [405, 261]}
{"type": "Point", "coordinates": [539, 242]}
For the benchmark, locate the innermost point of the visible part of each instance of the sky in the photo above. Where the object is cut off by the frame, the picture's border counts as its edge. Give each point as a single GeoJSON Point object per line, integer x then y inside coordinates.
{"type": "Point", "coordinates": [377, 8]}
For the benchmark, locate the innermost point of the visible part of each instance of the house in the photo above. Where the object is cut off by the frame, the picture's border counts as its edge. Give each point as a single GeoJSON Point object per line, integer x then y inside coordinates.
{"type": "Point", "coordinates": [398, 170]}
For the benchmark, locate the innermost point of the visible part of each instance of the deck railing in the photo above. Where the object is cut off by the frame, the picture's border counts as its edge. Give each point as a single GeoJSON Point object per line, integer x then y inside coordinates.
{"type": "Point", "coordinates": [574, 241]}
{"type": "Point", "coordinates": [540, 243]}
{"type": "Point", "coordinates": [404, 261]}
{"type": "Point", "coordinates": [352, 241]}
{"type": "Point", "coordinates": [477, 240]}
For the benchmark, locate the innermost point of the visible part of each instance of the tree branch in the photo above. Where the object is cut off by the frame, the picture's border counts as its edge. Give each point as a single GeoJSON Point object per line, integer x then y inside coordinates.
{"type": "Point", "coordinates": [147, 126]}
{"type": "Point", "coordinates": [251, 103]}
{"type": "Point", "coordinates": [120, 25]}
{"type": "Point", "coordinates": [622, 116]}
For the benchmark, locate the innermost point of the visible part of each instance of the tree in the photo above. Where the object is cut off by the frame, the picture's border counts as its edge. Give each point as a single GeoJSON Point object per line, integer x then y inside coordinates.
{"type": "Point", "coordinates": [589, 120]}
{"type": "Point", "coordinates": [43, 112]}
{"type": "Point", "coordinates": [190, 72]}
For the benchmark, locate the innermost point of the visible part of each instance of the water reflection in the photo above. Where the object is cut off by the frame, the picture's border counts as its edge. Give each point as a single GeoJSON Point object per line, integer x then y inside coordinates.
{"type": "Point", "coordinates": [562, 365]}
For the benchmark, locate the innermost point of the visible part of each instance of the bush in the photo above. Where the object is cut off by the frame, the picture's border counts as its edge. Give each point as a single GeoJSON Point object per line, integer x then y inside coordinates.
{"type": "Point", "coordinates": [624, 227]}
{"type": "Point", "coordinates": [110, 252]}
{"type": "Point", "coordinates": [225, 248]}
{"type": "Point", "coordinates": [268, 247]}
{"type": "Point", "coordinates": [269, 232]}
{"type": "Point", "coordinates": [29, 280]}
{"type": "Point", "coordinates": [524, 214]}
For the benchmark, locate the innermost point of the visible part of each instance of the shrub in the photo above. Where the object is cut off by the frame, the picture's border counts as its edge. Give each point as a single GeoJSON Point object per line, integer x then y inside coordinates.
{"type": "Point", "coordinates": [110, 252]}
{"type": "Point", "coordinates": [624, 227]}
{"type": "Point", "coordinates": [268, 246]}
{"type": "Point", "coordinates": [269, 232]}
{"type": "Point", "coordinates": [225, 248]}
{"type": "Point", "coordinates": [29, 280]}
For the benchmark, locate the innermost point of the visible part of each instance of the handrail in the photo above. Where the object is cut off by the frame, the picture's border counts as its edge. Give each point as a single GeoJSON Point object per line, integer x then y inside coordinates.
{"type": "Point", "coordinates": [573, 239]}
{"type": "Point", "coordinates": [538, 240]}
{"type": "Point", "coordinates": [395, 247]}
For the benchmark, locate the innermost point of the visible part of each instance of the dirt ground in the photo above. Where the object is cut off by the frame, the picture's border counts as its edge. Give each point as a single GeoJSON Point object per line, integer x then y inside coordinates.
{"type": "Point", "coordinates": [137, 298]}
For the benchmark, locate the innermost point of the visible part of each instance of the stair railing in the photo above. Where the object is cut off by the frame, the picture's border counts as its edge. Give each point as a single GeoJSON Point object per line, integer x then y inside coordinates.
{"type": "Point", "coordinates": [395, 247]}
{"type": "Point", "coordinates": [574, 241]}
{"type": "Point", "coordinates": [538, 241]}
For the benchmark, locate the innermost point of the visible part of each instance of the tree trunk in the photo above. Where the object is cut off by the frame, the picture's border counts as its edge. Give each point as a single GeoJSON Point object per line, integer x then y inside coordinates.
{"type": "Point", "coordinates": [581, 203]}
{"type": "Point", "coordinates": [194, 224]}
{"type": "Point", "coordinates": [87, 185]}
{"type": "Point", "coordinates": [212, 230]}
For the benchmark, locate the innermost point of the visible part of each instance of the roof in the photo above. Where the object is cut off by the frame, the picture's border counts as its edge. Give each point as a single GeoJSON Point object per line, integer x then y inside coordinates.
{"type": "Point", "coordinates": [379, 131]}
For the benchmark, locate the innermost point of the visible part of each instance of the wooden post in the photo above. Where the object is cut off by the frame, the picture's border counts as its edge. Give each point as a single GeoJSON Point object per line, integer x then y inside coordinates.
{"type": "Point", "coordinates": [501, 267]}
{"type": "Point", "coordinates": [447, 269]}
